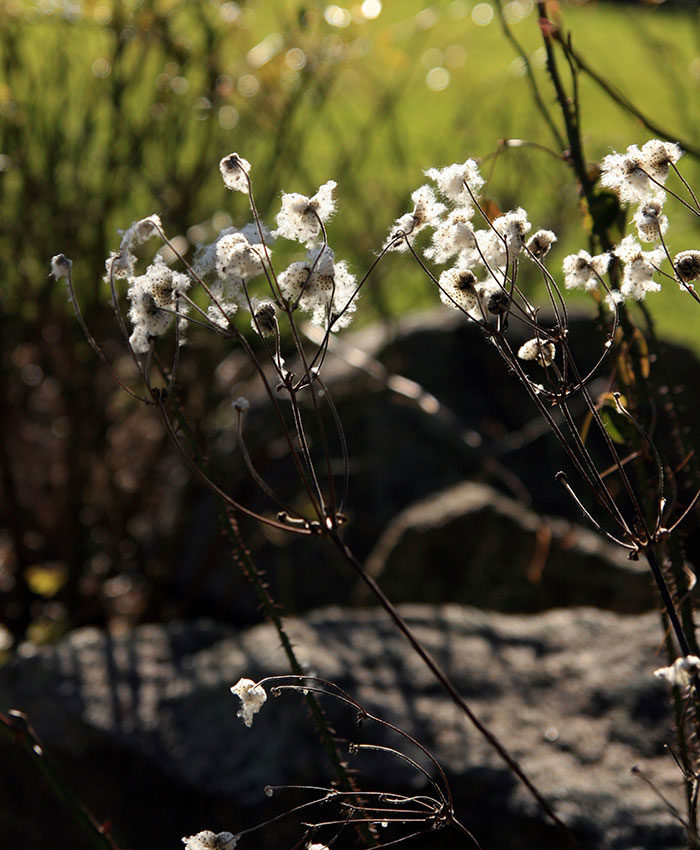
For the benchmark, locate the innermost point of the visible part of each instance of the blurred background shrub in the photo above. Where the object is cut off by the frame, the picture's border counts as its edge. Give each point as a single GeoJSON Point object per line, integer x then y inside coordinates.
{"type": "Point", "coordinates": [112, 110]}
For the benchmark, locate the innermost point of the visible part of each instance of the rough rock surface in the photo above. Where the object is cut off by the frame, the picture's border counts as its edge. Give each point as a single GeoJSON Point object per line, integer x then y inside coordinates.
{"type": "Point", "coordinates": [505, 557]}
{"type": "Point", "coordinates": [569, 692]}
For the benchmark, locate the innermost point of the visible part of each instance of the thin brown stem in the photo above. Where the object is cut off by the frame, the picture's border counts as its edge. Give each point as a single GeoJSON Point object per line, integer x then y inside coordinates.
{"type": "Point", "coordinates": [450, 688]}
{"type": "Point", "coordinates": [19, 730]}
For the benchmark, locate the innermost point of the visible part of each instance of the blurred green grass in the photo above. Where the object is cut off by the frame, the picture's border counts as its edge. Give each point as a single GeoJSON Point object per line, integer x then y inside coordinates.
{"type": "Point", "coordinates": [112, 111]}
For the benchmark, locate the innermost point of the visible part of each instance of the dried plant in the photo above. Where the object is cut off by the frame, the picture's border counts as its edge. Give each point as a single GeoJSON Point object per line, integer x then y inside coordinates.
{"type": "Point", "coordinates": [630, 483]}
{"type": "Point", "coordinates": [232, 288]}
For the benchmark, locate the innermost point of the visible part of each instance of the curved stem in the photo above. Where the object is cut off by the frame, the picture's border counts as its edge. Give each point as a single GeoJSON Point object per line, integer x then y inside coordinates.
{"type": "Point", "coordinates": [669, 605]}
{"type": "Point", "coordinates": [19, 730]}
{"type": "Point", "coordinates": [532, 82]}
{"type": "Point", "coordinates": [617, 97]}
{"type": "Point", "coordinates": [449, 686]}
{"type": "Point", "coordinates": [252, 573]}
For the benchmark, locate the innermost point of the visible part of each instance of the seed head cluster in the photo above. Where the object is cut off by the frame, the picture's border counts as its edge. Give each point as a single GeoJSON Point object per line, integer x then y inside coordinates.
{"type": "Point", "coordinates": [638, 173]}
{"type": "Point", "coordinates": [252, 697]}
{"type": "Point", "coordinates": [235, 172]}
{"type": "Point", "coordinates": [155, 298]}
{"type": "Point", "coordinates": [208, 840]}
{"type": "Point", "coordinates": [447, 224]}
{"type": "Point", "coordinates": [300, 218]}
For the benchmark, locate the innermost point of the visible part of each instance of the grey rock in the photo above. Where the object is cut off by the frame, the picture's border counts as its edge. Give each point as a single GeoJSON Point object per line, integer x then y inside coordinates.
{"type": "Point", "coordinates": [146, 729]}
{"type": "Point", "coordinates": [504, 555]}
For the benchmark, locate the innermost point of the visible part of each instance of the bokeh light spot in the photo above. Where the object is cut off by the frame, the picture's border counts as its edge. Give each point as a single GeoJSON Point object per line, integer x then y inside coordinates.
{"type": "Point", "coordinates": [371, 9]}
{"type": "Point", "coordinates": [230, 12]}
{"type": "Point", "coordinates": [295, 59]}
{"type": "Point", "coordinates": [228, 117]}
{"type": "Point", "coordinates": [101, 68]}
{"type": "Point", "coordinates": [482, 14]}
{"type": "Point", "coordinates": [432, 58]}
{"type": "Point", "coordinates": [248, 85]}
{"type": "Point", "coordinates": [437, 79]}
{"type": "Point", "coordinates": [337, 16]}
{"type": "Point", "coordinates": [455, 55]}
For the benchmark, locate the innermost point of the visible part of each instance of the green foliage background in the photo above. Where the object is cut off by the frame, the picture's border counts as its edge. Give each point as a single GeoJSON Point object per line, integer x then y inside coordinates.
{"type": "Point", "coordinates": [113, 110]}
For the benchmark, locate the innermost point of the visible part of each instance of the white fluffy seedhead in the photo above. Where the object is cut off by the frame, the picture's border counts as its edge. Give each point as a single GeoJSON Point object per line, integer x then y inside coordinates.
{"type": "Point", "coordinates": [236, 258]}
{"type": "Point", "coordinates": [140, 231]}
{"type": "Point", "coordinates": [539, 243]}
{"type": "Point", "coordinates": [264, 320]}
{"type": "Point", "coordinates": [322, 287]}
{"type": "Point", "coordinates": [513, 226]}
{"type": "Point", "coordinates": [153, 295]}
{"type": "Point", "coordinates": [453, 235]}
{"type": "Point", "coordinates": [61, 266]}
{"type": "Point", "coordinates": [681, 673]}
{"type": "Point", "coordinates": [300, 217]}
{"type": "Point", "coordinates": [582, 271]}
{"type": "Point", "coordinates": [649, 220]}
{"type": "Point", "coordinates": [252, 697]}
{"type": "Point", "coordinates": [121, 264]}
{"type": "Point", "coordinates": [458, 290]}
{"type": "Point", "coordinates": [234, 171]}
{"type": "Point", "coordinates": [624, 174]}
{"type": "Point", "coordinates": [658, 157]}
{"type": "Point", "coordinates": [636, 174]}
{"type": "Point", "coordinates": [208, 840]}
{"type": "Point", "coordinates": [451, 181]}
{"type": "Point", "coordinates": [503, 240]}
{"type": "Point", "coordinates": [541, 351]}
{"type": "Point", "coordinates": [427, 211]}
{"type": "Point", "coordinates": [639, 268]}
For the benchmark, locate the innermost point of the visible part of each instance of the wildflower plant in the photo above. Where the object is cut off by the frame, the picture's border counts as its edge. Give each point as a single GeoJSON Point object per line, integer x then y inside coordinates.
{"type": "Point", "coordinates": [388, 816]}
{"type": "Point", "coordinates": [232, 288]}
{"type": "Point", "coordinates": [276, 290]}
{"type": "Point", "coordinates": [252, 697]}
{"type": "Point", "coordinates": [476, 258]}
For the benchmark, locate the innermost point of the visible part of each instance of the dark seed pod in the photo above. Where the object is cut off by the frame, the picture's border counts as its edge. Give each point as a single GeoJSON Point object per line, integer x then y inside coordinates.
{"type": "Point", "coordinates": [498, 303]}
{"type": "Point", "coordinates": [266, 319]}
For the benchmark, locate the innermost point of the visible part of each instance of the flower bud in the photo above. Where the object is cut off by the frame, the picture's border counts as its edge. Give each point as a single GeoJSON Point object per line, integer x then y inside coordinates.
{"type": "Point", "coordinates": [234, 170]}
{"type": "Point", "coordinates": [60, 266]}
{"type": "Point", "coordinates": [687, 265]}
{"type": "Point", "coordinates": [538, 350]}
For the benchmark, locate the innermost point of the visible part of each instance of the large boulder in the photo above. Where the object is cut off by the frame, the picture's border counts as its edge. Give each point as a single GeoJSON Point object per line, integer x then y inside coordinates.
{"type": "Point", "coordinates": [145, 729]}
{"type": "Point", "coordinates": [473, 545]}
